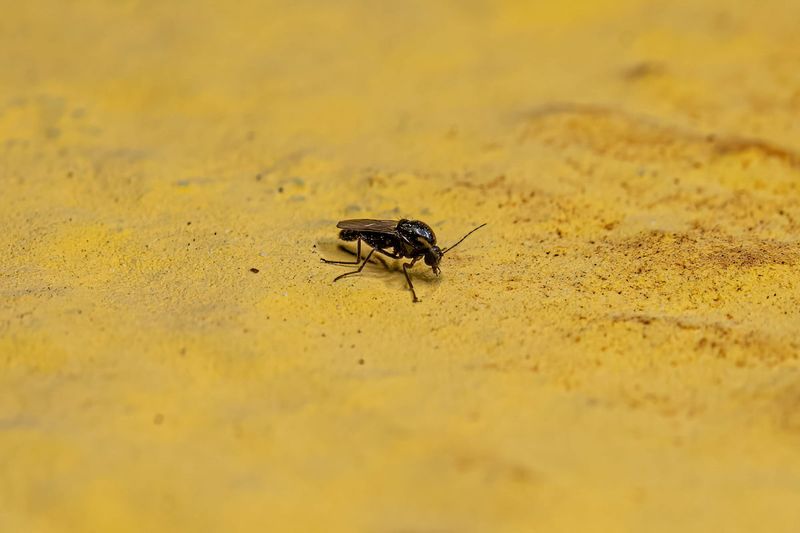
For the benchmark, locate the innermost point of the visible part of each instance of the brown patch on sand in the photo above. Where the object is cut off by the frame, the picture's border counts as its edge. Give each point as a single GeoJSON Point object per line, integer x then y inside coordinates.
{"type": "Point", "coordinates": [627, 136]}
{"type": "Point", "coordinates": [697, 250]}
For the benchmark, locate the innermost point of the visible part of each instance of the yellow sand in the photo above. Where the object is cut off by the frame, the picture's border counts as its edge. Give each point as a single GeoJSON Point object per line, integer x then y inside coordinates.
{"type": "Point", "coordinates": [616, 351]}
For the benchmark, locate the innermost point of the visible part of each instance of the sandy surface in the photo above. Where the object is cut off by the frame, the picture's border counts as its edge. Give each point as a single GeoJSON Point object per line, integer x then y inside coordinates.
{"type": "Point", "coordinates": [616, 351]}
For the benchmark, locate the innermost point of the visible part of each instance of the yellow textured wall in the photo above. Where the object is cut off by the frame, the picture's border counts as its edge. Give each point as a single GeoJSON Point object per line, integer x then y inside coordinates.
{"type": "Point", "coordinates": [616, 351]}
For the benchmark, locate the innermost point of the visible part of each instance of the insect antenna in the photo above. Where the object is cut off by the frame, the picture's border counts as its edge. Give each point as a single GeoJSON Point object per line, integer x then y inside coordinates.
{"type": "Point", "coordinates": [462, 238]}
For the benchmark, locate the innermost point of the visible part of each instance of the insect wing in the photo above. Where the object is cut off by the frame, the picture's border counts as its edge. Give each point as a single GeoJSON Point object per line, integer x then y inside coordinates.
{"type": "Point", "coordinates": [368, 224]}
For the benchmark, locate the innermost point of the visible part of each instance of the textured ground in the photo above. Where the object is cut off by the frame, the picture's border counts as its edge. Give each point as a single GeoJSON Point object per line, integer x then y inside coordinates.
{"type": "Point", "coordinates": [616, 351]}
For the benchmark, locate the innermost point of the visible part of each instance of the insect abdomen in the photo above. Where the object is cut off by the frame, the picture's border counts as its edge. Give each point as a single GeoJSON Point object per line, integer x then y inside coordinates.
{"type": "Point", "coordinates": [348, 235]}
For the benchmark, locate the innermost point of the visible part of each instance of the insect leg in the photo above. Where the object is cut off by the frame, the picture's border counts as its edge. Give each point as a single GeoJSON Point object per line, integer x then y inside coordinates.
{"type": "Point", "coordinates": [388, 254]}
{"type": "Point", "coordinates": [357, 261]}
{"type": "Point", "coordinates": [406, 266]}
{"type": "Point", "coordinates": [379, 259]}
{"type": "Point", "coordinates": [359, 269]}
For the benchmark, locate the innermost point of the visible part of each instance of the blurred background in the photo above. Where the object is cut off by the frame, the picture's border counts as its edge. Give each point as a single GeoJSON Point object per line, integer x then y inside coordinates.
{"type": "Point", "coordinates": [616, 351]}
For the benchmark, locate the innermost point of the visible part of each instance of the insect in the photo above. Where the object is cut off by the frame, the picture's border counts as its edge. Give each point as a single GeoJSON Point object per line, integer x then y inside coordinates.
{"type": "Point", "coordinates": [412, 239]}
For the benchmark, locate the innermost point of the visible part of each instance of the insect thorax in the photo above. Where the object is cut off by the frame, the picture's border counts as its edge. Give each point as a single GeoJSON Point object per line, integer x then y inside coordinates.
{"type": "Point", "coordinates": [416, 231]}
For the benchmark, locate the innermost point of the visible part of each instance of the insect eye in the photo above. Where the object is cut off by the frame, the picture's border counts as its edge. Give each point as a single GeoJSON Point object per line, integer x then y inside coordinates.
{"type": "Point", "coordinates": [431, 259]}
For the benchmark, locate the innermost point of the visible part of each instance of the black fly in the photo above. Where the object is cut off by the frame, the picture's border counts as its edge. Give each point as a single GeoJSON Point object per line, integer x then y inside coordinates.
{"type": "Point", "coordinates": [407, 238]}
